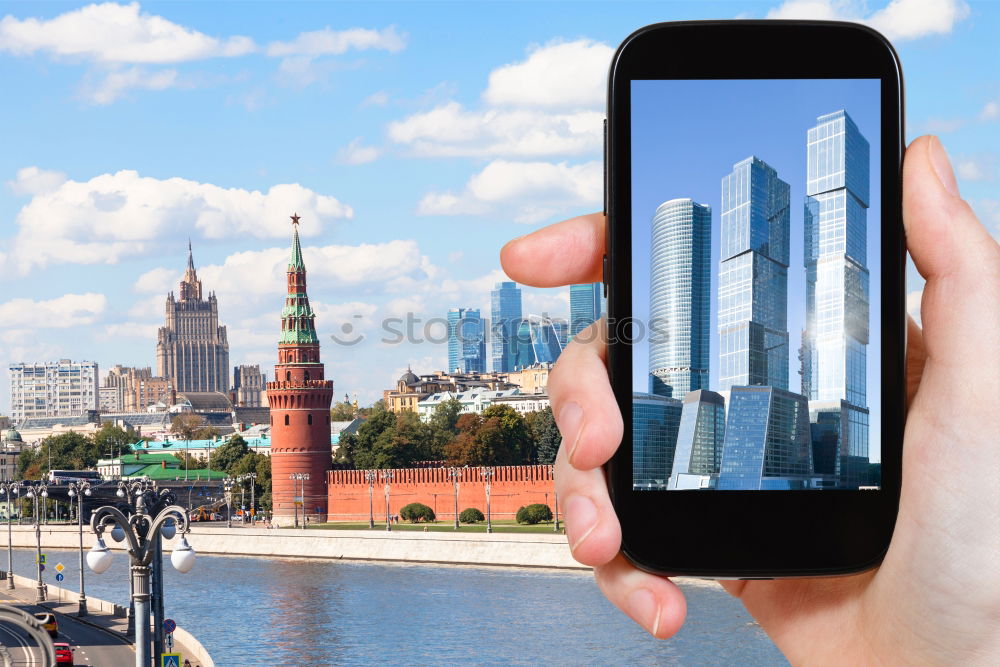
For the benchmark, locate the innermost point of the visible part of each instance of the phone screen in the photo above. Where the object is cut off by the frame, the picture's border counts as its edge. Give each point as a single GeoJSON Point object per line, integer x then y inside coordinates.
{"type": "Point", "coordinates": [756, 284]}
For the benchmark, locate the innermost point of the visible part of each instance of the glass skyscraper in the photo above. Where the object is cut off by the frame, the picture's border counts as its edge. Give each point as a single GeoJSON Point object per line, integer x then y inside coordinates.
{"type": "Point", "coordinates": [584, 306]}
{"type": "Point", "coordinates": [654, 435]}
{"type": "Point", "coordinates": [834, 346]}
{"type": "Point", "coordinates": [700, 437]}
{"type": "Point", "coordinates": [753, 277]}
{"type": "Point", "coordinates": [535, 341]}
{"type": "Point", "coordinates": [768, 443]}
{"type": "Point", "coordinates": [680, 297]}
{"type": "Point", "coordinates": [506, 317]}
{"type": "Point", "coordinates": [466, 342]}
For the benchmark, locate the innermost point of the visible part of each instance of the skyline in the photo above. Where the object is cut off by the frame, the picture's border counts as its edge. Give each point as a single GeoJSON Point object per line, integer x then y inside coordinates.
{"type": "Point", "coordinates": [216, 141]}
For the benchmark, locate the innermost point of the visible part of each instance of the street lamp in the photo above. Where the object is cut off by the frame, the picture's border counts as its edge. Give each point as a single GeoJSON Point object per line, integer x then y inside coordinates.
{"type": "Point", "coordinates": [555, 499]}
{"type": "Point", "coordinates": [370, 478]}
{"type": "Point", "coordinates": [142, 532]}
{"type": "Point", "coordinates": [78, 491]}
{"type": "Point", "coordinates": [36, 493]}
{"type": "Point", "coordinates": [387, 476]}
{"type": "Point", "coordinates": [6, 490]}
{"type": "Point", "coordinates": [252, 476]}
{"type": "Point", "coordinates": [487, 474]}
{"type": "Point", "coordinates": [227, 485]}
{"type": "Point", "coordinates": [455, 473]}
{"type": "Point", "coordinates": [299, 477]}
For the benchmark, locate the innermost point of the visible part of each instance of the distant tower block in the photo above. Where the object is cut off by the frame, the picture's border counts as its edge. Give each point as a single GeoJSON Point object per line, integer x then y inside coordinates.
{"type": "Point", "coordinates": [299, 399]}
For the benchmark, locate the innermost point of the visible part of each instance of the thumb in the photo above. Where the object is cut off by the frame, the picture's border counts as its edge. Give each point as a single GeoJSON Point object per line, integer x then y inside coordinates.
{"type": "Point", "coordinates": [960, 308]}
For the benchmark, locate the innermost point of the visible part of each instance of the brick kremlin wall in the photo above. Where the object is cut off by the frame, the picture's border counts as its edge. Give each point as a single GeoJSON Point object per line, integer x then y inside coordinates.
{"type": "Point", "coordinates": [512, 488]}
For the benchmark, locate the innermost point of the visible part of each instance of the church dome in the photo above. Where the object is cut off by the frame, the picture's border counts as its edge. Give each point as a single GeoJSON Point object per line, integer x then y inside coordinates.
{"type": "Point", "coordinates": [12, 436]}
{"type": "Point", "coordinates": [408, 377]}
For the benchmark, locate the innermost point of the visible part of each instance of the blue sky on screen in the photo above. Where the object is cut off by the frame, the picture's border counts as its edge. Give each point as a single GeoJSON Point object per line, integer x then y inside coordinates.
{"type": "Point", "coordinates": [687, 135]}
{"type": "Point", "coordinates": [414, 139]}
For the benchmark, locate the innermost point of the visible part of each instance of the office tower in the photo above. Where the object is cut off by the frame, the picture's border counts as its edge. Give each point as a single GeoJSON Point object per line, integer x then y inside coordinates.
{"type": "Point", "coordinates": [191, 348]}
{"type": "Point", "coordinates": [299, 401]}
{"type": "Point", "coordinates": [700, 437]}
{"type": "Point", "coordinates": [562, 332]}
{"type": "Point", "coordinates": [767, 444]}
{"type": "Point", "coordinates": [753, 277]}
{"type": "Point", "coordinates": [466, 341]}
{"type": "Point", "coordinates": [535, 341]}
{"type": "Point", "coordinates": [680, 297]}
{"type": "Point", "coordinates": [61, 388]}
{"type": "Point", "coordinates": [654, 434]}
{"type": "Point", "coordinates": [584, 306]}
{"type": "Point", "coordinates": [834, 354]}
{"type": "Point", "coordinates": [506, 315]}
{"type": "Point", "coordinates": [248, 386]}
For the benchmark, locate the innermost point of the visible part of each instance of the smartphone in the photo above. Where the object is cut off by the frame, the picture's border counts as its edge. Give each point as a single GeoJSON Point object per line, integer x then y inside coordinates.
{"type": "Point", "coordinates": [756, 302]}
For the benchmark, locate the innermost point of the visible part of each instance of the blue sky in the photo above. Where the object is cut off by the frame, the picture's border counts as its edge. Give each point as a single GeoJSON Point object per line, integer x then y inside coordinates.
{"type": "Point", "coordinates": [414, 139]}
{"type": "Point", "coordinates": [685, 149]}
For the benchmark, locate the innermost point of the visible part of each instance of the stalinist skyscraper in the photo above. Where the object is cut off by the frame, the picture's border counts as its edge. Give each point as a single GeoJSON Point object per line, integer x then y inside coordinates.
{"type": "Point", "coordinates": [191, 349]}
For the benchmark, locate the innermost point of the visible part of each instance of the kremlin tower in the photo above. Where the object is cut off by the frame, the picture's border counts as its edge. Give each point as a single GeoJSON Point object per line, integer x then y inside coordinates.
{"type": "Point", "coordinates": [300, 400]}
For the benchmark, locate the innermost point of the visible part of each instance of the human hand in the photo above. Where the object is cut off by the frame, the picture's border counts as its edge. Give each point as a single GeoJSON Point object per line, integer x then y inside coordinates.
{"type": "Point", "coordinates": [935, 599]}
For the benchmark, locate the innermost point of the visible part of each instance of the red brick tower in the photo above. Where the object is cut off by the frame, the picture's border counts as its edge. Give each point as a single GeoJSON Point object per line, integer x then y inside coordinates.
{"type": "Point", "coordinates": [300, 400]}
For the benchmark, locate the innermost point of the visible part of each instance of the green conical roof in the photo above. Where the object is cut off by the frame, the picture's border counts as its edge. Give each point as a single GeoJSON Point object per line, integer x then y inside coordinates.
{"type": "Point", "coordinates": [296, 261]}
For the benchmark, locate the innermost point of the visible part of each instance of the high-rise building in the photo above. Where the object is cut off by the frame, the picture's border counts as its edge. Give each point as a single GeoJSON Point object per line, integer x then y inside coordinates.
{"type": "Point", "coordinates": [111, 399]}
{"type": "Point", "coordinates": [585, 306]}
{"type": "Point", "coordinates": [466, 341]}
{"type": "Point", "coordinates": [191, 349]}
{"type": "Point", "coordinates": [248, 386]}
{"type": "Point", "coordinates": [535, 341]}
{"type": "Point", "coordinates": [63, 388]}
{"type": "Point", "coordinates": [680, 297]}
{"type": "Point", "coordinates": [655, 420]}
{"type": "Point", "coordinates": [753, 277]}
{"type": "Point", "coordinates": [700, 437]}
{"type": "Point", "coordinates": [505, 310]}
{"type": "Point", "coordinates": [300, 401]}
{"type": "Point", "coordinates": [834, 347]}
{"type": "Point", "coordinates": [767, 444]}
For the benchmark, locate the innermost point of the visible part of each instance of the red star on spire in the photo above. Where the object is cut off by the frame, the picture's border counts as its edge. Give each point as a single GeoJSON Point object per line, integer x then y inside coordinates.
{"type": "Point", "coordinates": [295, 218]}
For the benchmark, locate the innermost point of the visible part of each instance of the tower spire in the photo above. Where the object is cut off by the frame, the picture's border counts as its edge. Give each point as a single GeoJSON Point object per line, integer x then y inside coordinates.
{"type": "Point", "coordinates": [190, 256]}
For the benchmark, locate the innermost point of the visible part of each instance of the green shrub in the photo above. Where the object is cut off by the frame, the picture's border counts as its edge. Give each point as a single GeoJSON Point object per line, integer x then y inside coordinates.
{"type": "Point", "coordinates": [415, 512]}
{"type": "Point", "coordinates": [471, 515]}
{"type": "Point", "coordinates": [533, 514]}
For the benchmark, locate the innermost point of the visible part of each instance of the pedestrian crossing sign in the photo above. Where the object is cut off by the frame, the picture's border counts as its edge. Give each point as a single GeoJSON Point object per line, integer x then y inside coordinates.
{"type": "Point", "coordinates": [170, 660]}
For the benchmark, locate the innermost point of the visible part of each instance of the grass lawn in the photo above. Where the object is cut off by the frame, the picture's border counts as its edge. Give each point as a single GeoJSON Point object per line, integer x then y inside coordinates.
{"type": "Point", "coordinates": [499, 526]}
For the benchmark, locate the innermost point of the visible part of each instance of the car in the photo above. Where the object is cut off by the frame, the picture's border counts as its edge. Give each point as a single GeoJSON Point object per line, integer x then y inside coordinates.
{"type": "Point", "coordinates": [64, 653]}
{"type": "Point", "coordinates": [48, 622]}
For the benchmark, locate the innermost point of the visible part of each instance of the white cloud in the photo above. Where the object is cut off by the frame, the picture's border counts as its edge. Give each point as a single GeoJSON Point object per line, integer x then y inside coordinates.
{"type": "Point", "coordinates": [990, 111]}
{"type": "Point", "coordinates": [450, 130]}
{"type": "Point", "coordinates": [376, 99]}
{"type": "Point", "coordinates": [979, 167]}
{"type": "Point", "coordinates": [35, 181]}
{"type": "Point", "coordinates": [913, 304]}
{"type": "Point", "coordinates": [125, 214]}
{"type": "Point", "coordinates": [114, 84]}
{"type": "Point", "coordinates": [357, 153]}
{"type": "Point", "coordinates": [527, 191]}
{"type": "Point", "coordinates": [69, 310]}
{"type": "Point", "coordinates": [114, 33]}
{"type": "Point", "coordinates": [899, 20]}
{"type": "Point", "coordinates": [156, 281]}
{"type": "Point", "coordinates": [130, 330]}
{"type": "Point", "coordinates": [564, 75]}
{"type": "Point", "coordinates": [327, 42]}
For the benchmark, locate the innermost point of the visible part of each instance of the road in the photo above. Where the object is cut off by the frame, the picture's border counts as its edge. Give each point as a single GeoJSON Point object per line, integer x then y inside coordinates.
{"type": "Point", "coordinates": [94, 647]}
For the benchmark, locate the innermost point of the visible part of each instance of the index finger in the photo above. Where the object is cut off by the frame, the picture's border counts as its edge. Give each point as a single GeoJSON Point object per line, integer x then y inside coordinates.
{"type": "Point", "coordinates": [566, 253]}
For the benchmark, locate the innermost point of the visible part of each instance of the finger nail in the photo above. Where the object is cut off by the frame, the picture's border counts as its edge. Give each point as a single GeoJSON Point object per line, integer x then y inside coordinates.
{"type": "Point", "coordinates": [942, 166]}
{"type": "Point", "coordinates": [570, 422]}
{"type": "Point", "coordinates": [643, 607]}
{"type": "Point", "coordinates": [581, 519]}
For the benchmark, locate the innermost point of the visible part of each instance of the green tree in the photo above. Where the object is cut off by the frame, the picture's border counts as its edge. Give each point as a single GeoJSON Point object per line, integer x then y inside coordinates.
{"type": "Point", "coordinates": [206, 433]}
{"type": "Point", "coordinates": [112, 440]}
{"type": "Point", "coordinates": [342, 412]}
{"type": "Point", "coordinates": [497, 437]}
{"type": "Point", "coordinates": [193, 462]}
{"type": "Point", "coordinates": [376, 407]}
{"type": "Point", "coordinates": [65, 451]}
{"type": "Point", "coordinates": [228, 455]}
{"type": "Point", "coordinates": [260, 464]}
{"type": "Point", "coordinates": [545, 434]}
{"type": "Point", "coordinates": [415, 512]}
{"type": "Point", "coordinates": [186, 425]}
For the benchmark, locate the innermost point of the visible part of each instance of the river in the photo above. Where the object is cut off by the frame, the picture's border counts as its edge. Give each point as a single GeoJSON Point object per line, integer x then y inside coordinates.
{"type": "Point", "coordinates": [259, 612]}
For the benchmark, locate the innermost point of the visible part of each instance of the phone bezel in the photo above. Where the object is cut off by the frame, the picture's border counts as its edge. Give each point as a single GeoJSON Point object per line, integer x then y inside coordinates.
{"type": "Point", "coordinates": [726, 534]}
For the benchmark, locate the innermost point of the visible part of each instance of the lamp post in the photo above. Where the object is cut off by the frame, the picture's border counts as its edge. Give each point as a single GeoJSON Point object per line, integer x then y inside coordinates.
{"type": "Point", "coordinates": [37, 492]}
{"type": "Point", "coordinates": [299, 477]}
{"type": "Point", "coordinates": [78, 491]}
{"type": "Point", "coordinates": [141, 530]}
{"type": "Point", "coordinates": [487, 474]}
{"type": "Point", "coordinates": [128, 490]}
{"type": "Point", "coordinates": [252, 476]}
{"type": "Point", "coordinates": [227, 485]}
{"type": "Point", "coordinates": [555, 499]}
{"type": "Point", "coordinates": [387, 477]}
{"type": "Point", "coordinates": [455, 473]}
{"type": "Point", "coordinates": [6, 490]}
{"type": "Point", "coordinates": [370, 478]}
